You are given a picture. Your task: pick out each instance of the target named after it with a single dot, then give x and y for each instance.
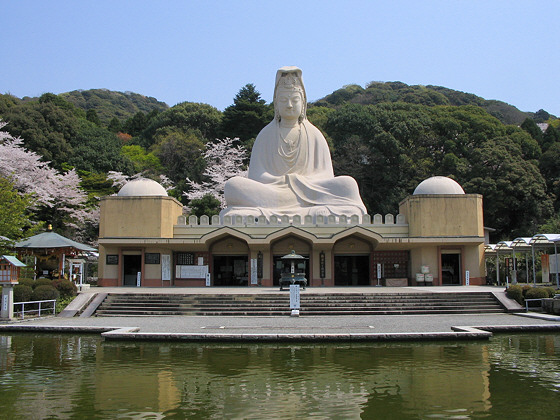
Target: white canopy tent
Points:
(503, 246)
(525, 244)
(522, 245)
(547, 240)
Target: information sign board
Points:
(294, 296)
(191, 271)
(166, 267)
(254, 271)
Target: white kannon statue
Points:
(290, 172)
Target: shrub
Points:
(43, 282)
(537, 293)
(539, 276)
(22, 293)
(45, 292)
(525, 288)
(66, 288)
(551, 291)
(515, 292)
(63, 303)
(27, 282)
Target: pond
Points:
(66, 376)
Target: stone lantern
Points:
(9, 275)
(292, 276)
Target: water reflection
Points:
(84, 377)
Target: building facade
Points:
(436, 238)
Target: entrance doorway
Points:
(231, 270)
(282, 266)
(351, 270)
(132, 265)
(451, 269)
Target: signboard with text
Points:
(294, 296)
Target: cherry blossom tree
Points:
(55, 195)
(224, 160)
(119, 179)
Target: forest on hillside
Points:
(388, 136)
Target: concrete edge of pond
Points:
(350, 337)
(133, 334)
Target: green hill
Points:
(109, 104)
(379, 92)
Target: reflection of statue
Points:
(291, 172)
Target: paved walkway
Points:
(286, 328)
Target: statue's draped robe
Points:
(298, 183)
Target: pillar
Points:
(7, 311)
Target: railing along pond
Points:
(36, 307)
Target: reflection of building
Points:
(69, 376)
(293, 381)
(145, 240)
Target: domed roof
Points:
(438, 185)
(141, 187)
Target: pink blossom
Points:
(223, 161)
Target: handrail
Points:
(531, 300)
(22, 312)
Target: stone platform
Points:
(367, 328)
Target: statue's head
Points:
(289, 82)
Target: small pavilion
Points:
(51, 251)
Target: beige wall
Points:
(444, 215)
(141, 217)
(107, 271)
(427, 255)
(435, 222)
(474, 262)
(351, 246)
(291, 243)
(230, 246)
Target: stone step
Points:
(334, 307)
(303, 303)
(326, 302)
(286, 295)
(306, 311)
(311, 304)
(306, 308)
(306, 299)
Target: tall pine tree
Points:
(247, 116)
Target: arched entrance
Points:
(230, 262)
(285, 246)
(352, 262)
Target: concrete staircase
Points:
(312, 304)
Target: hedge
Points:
(45, 292)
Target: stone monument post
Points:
(7, 312)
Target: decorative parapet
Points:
(276, 220)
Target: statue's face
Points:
(289, 104)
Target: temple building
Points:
(436, 238)
(291, 201)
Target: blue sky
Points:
(205, 51)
